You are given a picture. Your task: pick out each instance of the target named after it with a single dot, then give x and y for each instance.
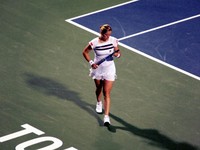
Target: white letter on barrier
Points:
(56, 143)
(27, 130)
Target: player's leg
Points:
(107, 87)
(98, 92)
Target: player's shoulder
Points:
(112, 38)
(95, 39)
(93, 42)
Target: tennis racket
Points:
(109, 57)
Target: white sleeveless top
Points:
(105, 70)
(103, 49)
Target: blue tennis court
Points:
(165, 31)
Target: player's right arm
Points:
(86, 55)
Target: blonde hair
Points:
(105, 28)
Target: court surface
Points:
(45, 89)
(166, 32)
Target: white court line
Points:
(102, 10)
(88, 29)
(159, 61)
(131, 48)
(159, 27)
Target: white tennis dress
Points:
(106, 70)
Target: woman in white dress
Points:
(103, 74)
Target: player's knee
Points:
(106, 94)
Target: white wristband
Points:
(118, 55)
(91, 62)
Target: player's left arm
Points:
(117, 51)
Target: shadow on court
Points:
(154, 136)
(53, 88)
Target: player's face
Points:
(106, 35)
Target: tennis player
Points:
(103, 74)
